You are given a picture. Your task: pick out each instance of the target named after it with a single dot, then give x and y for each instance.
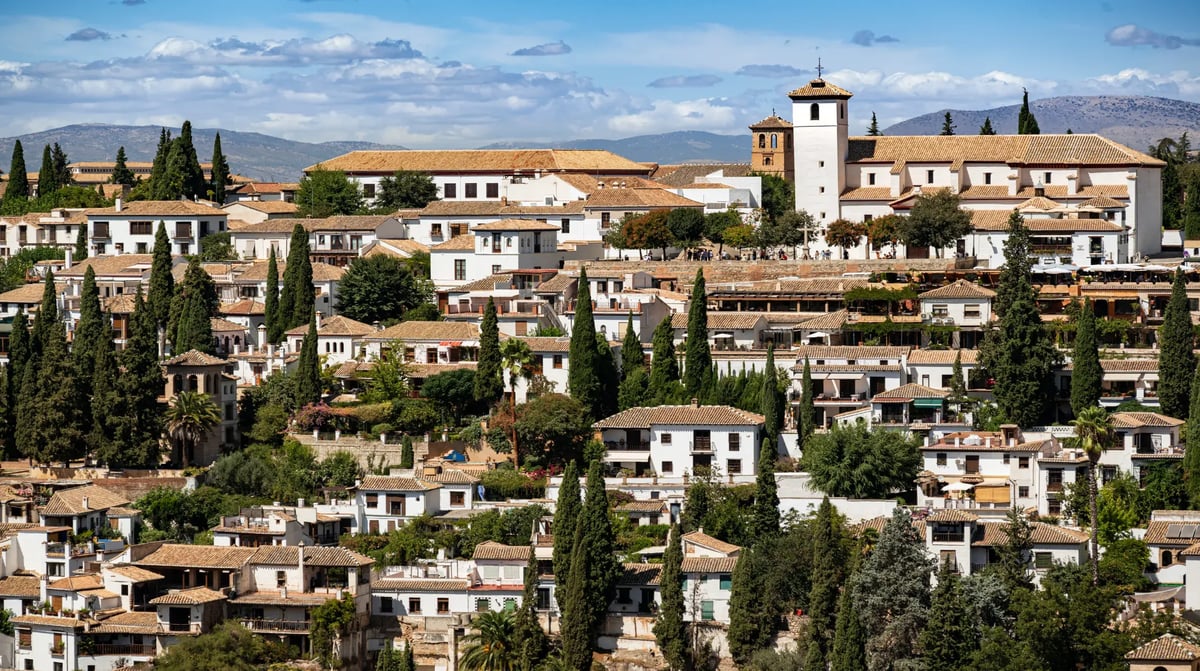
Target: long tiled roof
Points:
(289, 555)
(643, 198)
(20, 586)
(137, 622)
(647, 506)
(997, 220)
(387, 483)
(813, 352)
(515, 225)
(1039, 150)
(1130, 420)
(676, 415)
(952, 515)
(188, 597)
(498, 208)
(195, 358)
(721, 320)
(338, 325)
(639, 575)
(704, 540)
(958, 289)
(267, 206)
(773, 121)
(134, 573)
(49, 621)
(155, 208)
(421, 585)
(71, 501)
(197, 556)
(819, 88)
(1156, 534)
(106, 266)
(246, 306)
(686, 174)
(417, 330)
(452, 476)
(483, 160)
(708, 564)
(547, 343)
(77, 583)
(1165, 648)
(500, 551)
(347, 222)
(912, 391)
(321, 272)
(992, 534)
(944, 357)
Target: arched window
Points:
(1160, 668)
(766, 160)
(1166, 558)
(774, 141)
(193, 383)
(762, 140)
(177, 383)
(814, 112)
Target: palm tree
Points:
(1093, 430)
(492, 646)
(190, 418)
(517, 360)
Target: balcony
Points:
(700, 446)
(183, 232)
(101, 649)
(261, 625)
(99, 231)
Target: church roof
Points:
(819, 88)
(1040, 150)
(773, 121)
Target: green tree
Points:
(190, 417)
(1014, 554)
(308, 368)
(947, 125)
(194, 306)
(1176, 361)
(772, 400)
(326, 193)
(81, 245)
(575, 626)
(583, 379)
(829, 562)
(845, 234)
(19, 352)
(891, 592)
(697, 359)
(162, 282)
(158, 170)
(334, 619)
(937, 221)
(806, 423)
(453, 392)
(379, 289)
(188, 164)
(1093, 430)
(686, 224)
(647, 232)
(229, 647)
(751, 621)
(1191, 455)
(220, 173)
(778, 195)
(716, 224)
(121, 173)
(1191, 206)
(89, 332)
(598, 543)
(55, 433)
(1086, 373)
(986, 128)
(765, 516)
(1020, 354)
(46, 175)
(271, 308)
(790, 229)
(16, 194)
(492, 646)
(632, 354)
(670, 631)
(873, 128)
(664, 368)
(297, 300)
(406, 452)
(139, 428)
(406, 189)
(856, 462)
(489, 381)
(849, 639)
(530, 641)
(566, 517)
(1026, 123)
(947, 642)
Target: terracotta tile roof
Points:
(721, 320)
(501, 552)
(819, 88)
(547, 344)
(29, 294)
(336, 326)
(394, 247)
(1038, 203)
(557, 283)
(417, 330)
(678, 415)
(459, 243)
(951, 515)
(992, 534)
(1133, 420)
(155, 208)
(1165, 648)
(134, 488)
(452, 476)
(997, 220)
(48, 621)
(277, 598)
(636, 199)
(387, 483)
(134, 574)
(984, 192)
(704, 540)
(515, 225)
(69, 502)
(257, 272)
(223, 325)
(686, 174)
(420, 371)
(76, 583)
(639, 575)
(912, 391)
(195, 358)
(651, 506)
(814, 352)
(868, 193)
(934, 357)
(958, 289)
(708, 564)
(246, 306)
(506, 161)
(499, 208)
(266, 206)
(420, 585)
(289, 555)
(138, 622)
(772, 121)
(348, 222)
(829, 320)
(1156, 534)
(194, 596)
(109, 266)
(197, 556)
(1014, 150)
(1103, 203)
(21, 586)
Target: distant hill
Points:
(251, 154)
(684, 146)
(1136, 121)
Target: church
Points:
(1086, 199)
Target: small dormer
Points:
(1010, 434)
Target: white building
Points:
(129, 228)
(339, 339)
(671, 440)
(508, 244)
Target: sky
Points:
(464, 74)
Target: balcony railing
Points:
(100, 649)
(701, 446)
(265, 625)
(951, 537)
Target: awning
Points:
(846, 376)
(927, 403)
(957, 487)
(723, 336)
(992, 493)
(450, 343)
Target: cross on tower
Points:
(818, 67)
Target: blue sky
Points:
(463, 74)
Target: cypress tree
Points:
(806, 424)
(121, 173)
(194, 184)
(632, 354)
(829, 562)
(1191, 207)
(697, 360)
(765, 514)
(89, 332)
(770, 402)
(610, 377)
(1026, 123)
(27, 413)
(566, 518)
(18, 357)
(947, 639)
(849, 639)
(220, 172)
(194, 307)
(1020, 354)
(106, 402)
(297, 301)
(947, 125)
(633, 390)
(308, 369)
(58, 418)
(61, 166)
(406, 453)
(1085, 360)
(751, 618)
(1014, 554)
(1191, 454)
(603, 569)
(986, 128)
(664, 368)
(1176, 362)
(271, 308)
(140, 427)
(158, 170)
(47, 317)
(575, 626)
(873, 129)
(670, 631)
(583, 380)
(407, 663)
(81, 244)
(529, 639)
(489, 379)
(174, 185)
(162, 282)
(47, 183)
(16, 194)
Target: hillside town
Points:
(861, 402)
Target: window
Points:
(281, 578)
(971, 311)
(443, 605)
(558, 359)
(820, 189)
(762, 140)
(124, 590)
(492, 190)
(1166, 558)
(726, 581)
(766, 160)
(814, 112)
(495, 268)
(666, 439)
(414, 605)
(435, 230)
(372, 500)
(871, 178)
(941, 310)
(623, 595)
(368, 190)
(142, 248)
(385, 604)
(820, 164)
(1023, 492)
(471, 190)
(566, 225)
(734, 466)
(510, 605)
(706, 607)
(1023, 462)
(868, 218)
(929, 177)
(668, 467)
(481, 605)
(450, 191)
(735, 442)
(987, 178)
(24, 638)
(1048, 176)
(941, 458)
(1043, 560)
(460, 269)
(458, 499)
(140, 228)
(1007, 458)
(774, 141)
(605, 219)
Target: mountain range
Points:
(1136, 121)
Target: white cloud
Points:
(1136, 81)
(666, 115)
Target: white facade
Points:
(676, 440)
(820, 133)
(129, 228)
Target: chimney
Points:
(695, 402)
(957, 441)
(70, 256)
(989, 443)
(1039, 189)
(42, 585)
(270, 349)
(300, 562)
(85, 503)
(117, 204)
(317, 316)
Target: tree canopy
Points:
(325, 193)
(856, 462)
(379, 289)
